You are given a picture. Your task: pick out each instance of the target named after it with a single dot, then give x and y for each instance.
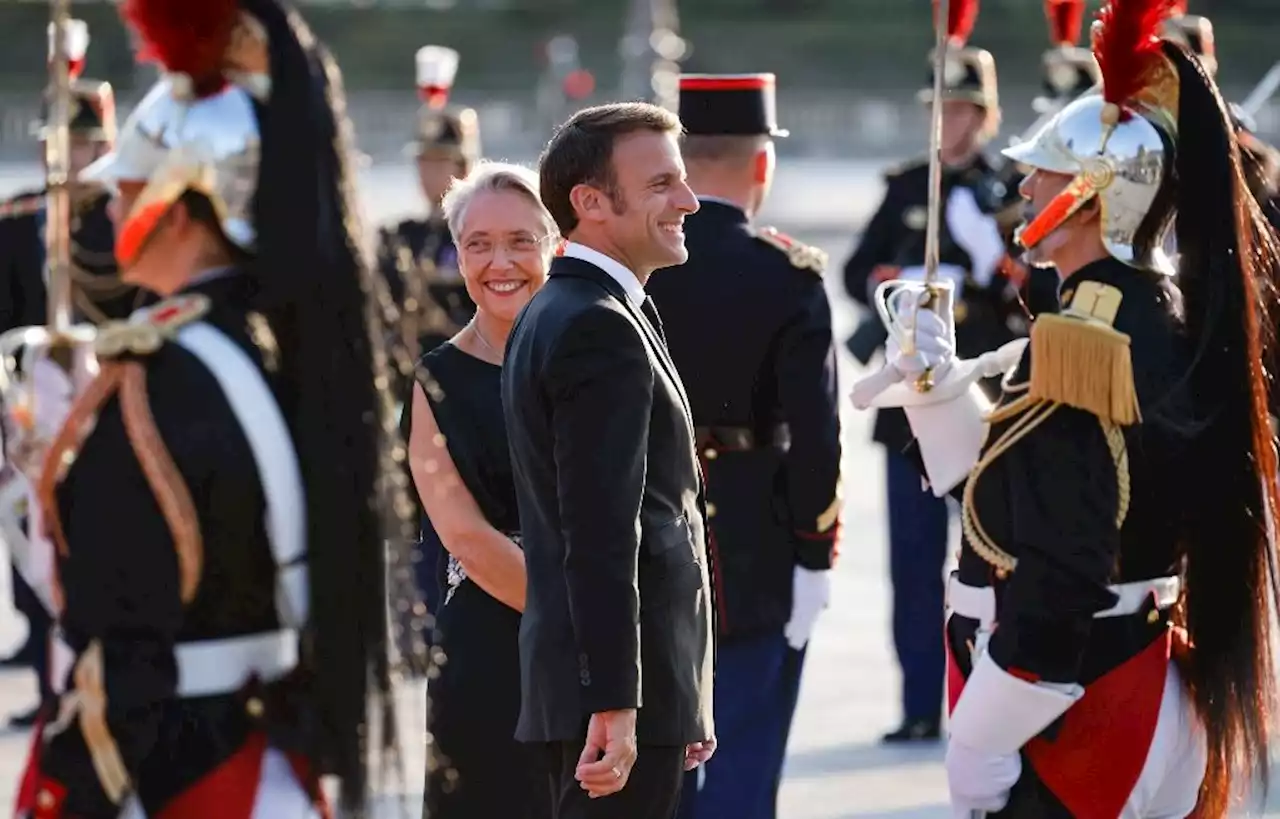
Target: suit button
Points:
(585, 679)
(711, 510)
(710, 454)
(254, 707)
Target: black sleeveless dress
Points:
(481, 772)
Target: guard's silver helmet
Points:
(1118, 152)
(177, 140)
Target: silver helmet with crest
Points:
(197, 128)
(1115, 142)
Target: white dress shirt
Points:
(616, 270)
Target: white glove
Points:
(810, 594)
(979, 780)
(35, 416)
(935, 348)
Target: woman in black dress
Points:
(462, 471)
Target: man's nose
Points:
(1024, 187)
(687, 201)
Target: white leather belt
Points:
(979, 602)
(211, 667)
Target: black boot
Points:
(915, 730)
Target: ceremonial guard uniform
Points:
(748, 324)
(1122, 492)
(978, 215)
(420, 253)
(211, 490)
(98, 294)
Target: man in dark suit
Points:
(749, 327)
(616, 640)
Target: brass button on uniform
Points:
(1153, 616)
(710, 454)
(254, 707)
(45, 800)
(711, 510)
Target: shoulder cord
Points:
(1033, 413)
(129, 380)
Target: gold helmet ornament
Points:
(197, 128)
(1116, 144)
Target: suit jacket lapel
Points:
(568, 266)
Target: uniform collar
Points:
(616, 270)
(722, 208)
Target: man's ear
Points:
(589, 203)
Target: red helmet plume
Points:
(1126, 44)
(1066, 21)
(962, 15)
(185, 36)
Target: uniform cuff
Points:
(999, 713)
(816, 552)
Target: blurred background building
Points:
(847, 69)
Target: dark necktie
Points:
(650, 311)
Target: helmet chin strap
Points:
(1063, 206)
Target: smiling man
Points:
(615, 642)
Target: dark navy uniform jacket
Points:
(424, 247)
(97, 292)
(748, 324)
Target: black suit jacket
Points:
(619, 608)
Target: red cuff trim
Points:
(829, 535)
(1025, 676)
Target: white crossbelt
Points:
(268, 435)
(979, 602)
(210, 667)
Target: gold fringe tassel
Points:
(1085, 364)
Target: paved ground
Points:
(835, 768)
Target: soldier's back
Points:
(724, 309)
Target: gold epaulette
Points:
(21, 206)
(805, 257)
(146, 330)
(1080, 360)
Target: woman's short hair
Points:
(493, 177)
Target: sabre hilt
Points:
(898, 302)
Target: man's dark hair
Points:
(581, 152)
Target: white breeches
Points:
(280, 795)
(1170, 780)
